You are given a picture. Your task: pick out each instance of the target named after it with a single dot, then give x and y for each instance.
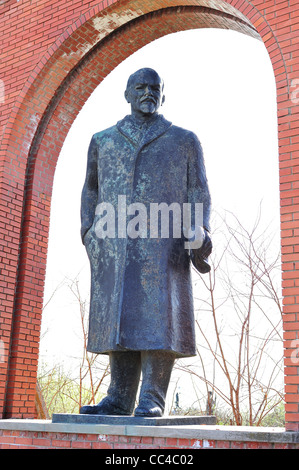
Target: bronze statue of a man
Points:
(141, 306)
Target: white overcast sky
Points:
(219, 84)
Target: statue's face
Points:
(145, 92)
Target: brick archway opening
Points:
(48, 106)
(61, 256)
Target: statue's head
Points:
(144, 92)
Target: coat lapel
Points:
(142, 134)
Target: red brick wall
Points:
(58, 440)
(53, 51)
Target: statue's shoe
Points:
(148, 409)
(105, 407)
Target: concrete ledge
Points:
(207, 432)
(74, 418)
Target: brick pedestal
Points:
(40, 434)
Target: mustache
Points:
(148, 98)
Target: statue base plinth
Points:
(132, 420)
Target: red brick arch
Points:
(47, 84)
